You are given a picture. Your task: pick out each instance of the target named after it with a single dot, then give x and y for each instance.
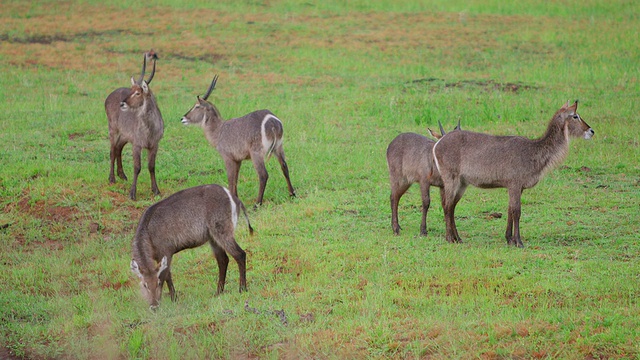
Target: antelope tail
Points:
(244, 211)
(273, 145)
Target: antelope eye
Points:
(576, 116)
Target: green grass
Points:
(345, 78)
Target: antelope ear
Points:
(133, 81)
(163, 265)
(566, 106)
(145, 86)
(136, 269)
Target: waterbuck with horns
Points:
(184, 220)
(134, 117)
(254, 136)
(486, 161)
(410, 160)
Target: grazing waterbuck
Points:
(184, 220)
(134, 117)
(254, 136)
(410, 160)
(486, 161)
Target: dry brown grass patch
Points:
(94, 38)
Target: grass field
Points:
(326, 276)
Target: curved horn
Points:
(441, 128)
(144, 68)
(153, 72)
(153, 56)
(211, 87)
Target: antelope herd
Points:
(209, 213)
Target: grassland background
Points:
(346, 77)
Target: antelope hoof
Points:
(515, 242)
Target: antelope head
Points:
(140, 88)
(574, 125)
(150, 284)
(203, 109)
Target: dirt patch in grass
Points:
(47, 39)
(117, 285)
(206, 57)
(7, 355)
(54, 219)
(43, 211)
(81, 135)
(487, 85)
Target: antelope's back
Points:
(245, 133)
(185, 218)
(483, 160)
(410, 153)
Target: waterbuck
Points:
(134, 117)
(184, 220)
(254, 136)
(513, 162)
(410, 160)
